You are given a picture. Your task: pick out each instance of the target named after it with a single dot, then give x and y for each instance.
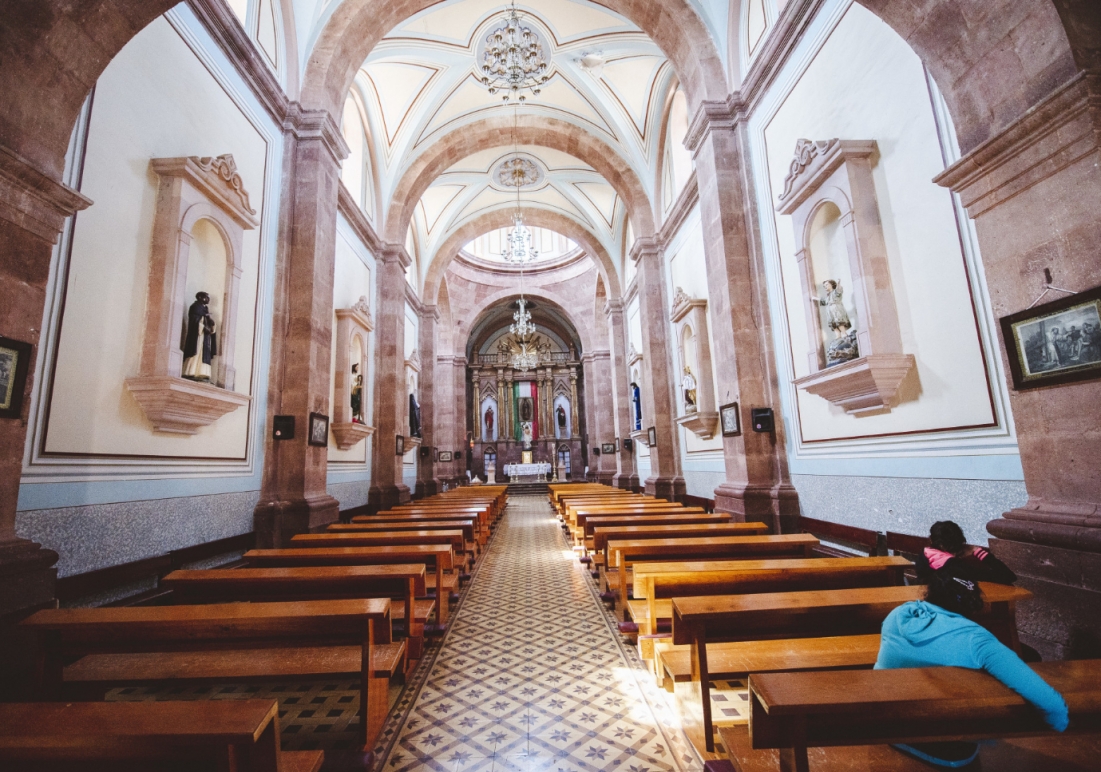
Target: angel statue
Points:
(843, 347)
(688, 383)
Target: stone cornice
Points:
(217, 179)
(631, 292)
(644, 245)
(430, 312)
(682, 207)
(592, 356)
(223, 26)
(395, 253)
(613, 306)
(316, 125)
(357, 218)
(1049, 137)
(412, 299)
(32, 200)
(711, 115)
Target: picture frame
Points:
(15, 361)
(730, 420)
(445, 456)
(652, 436)
(1055, 343)
(399, 444)
(319, 430)
(607, 448)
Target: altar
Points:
(527, 472)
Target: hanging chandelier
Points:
(513, 61)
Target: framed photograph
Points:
(399, 444)
(1055, 343)
(15, 359)
(730, 420)
(445, 455)
(652, 436)
(319, 430)
(607, 448)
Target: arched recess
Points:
(356, 26)
(491, 304)
(532, 216)
(551, 133)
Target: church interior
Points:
(546, 384)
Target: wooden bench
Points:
(574, 511)
(436, 557)
(483, 527)
(602, 534)
(401, 582)
(213, 644)
(792, 712)
(587, 520)
(454, 538)
(859, 540)
(468, 526)
(701, 621)
(132, 736)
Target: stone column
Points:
(427, 484)
(501, 407)
(1034, 192)
(33, 210)
(665, 479)
(391, 400)
(626, 473)
(599, 412)
(757, 485)
(293, 495)
(444, 414)
(457, 434)
(575, 428)
(509, 400)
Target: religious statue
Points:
(525, 409)
(527, 434)
(414, 417)
(560, 414)
(489, 423)
(688, 383)
(357, 395)
(200, 344)
(843, 347)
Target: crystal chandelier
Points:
(514, 60)
(518, 249)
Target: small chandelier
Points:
(523, 327)
(514, 60)
(518, 249)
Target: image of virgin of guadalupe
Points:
(200, 343)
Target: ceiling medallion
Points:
(518, 172)
(513, 60)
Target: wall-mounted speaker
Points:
(761, 418)
(282, 427)
(425, 452)
(628, 444)
(596, 450)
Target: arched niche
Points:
(689, 316)
(563, 463)
(489, 464)
(412, 395)
(562, 402)
(829, 192)
(490, 419)
(353, 328)
(201, 202)
(634, 367)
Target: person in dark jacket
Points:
(949, 552)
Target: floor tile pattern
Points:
(531, 675)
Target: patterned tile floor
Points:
(531, 675)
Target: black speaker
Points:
(596, 450)
(628, 444)
(282, 427)
(458, 455)
(425, 452)
(762, 419)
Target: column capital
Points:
(395, 253)
(430, 312)
(34, 201)
(316, 125)
(712, 115)
(644, 246)
(613, 306)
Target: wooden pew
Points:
(139, 736)
(481, 531)
(484, 521)
(792, 712)
(859, 540)
(468, 526)
(700, 621)
(625, 554)
(581, 529)
(438, 556)
(215, 643)
(402, 582)
(610, 506)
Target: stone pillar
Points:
(427, 484)
(457, 434)
(1034, 192)
(757, 485)
(293, 495)
(391, 399)
(502, 412)
(626, 473)
(665, 479)
(444, 414)
(599, 412)
(575, 427)
(33, 210)
(509, 400)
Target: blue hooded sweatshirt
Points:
(920, 634)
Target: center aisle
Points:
(531, 675)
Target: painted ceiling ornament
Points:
(514, 61)
(518, 172)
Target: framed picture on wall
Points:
(15, 359)
(731, 421)
(399, 444)
(445, 455)
(607, 448)
(319, 430)
(652, 436)
(1055, 343)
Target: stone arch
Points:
(356, 27)
(538, 217)
(552, 133)
(556, 301)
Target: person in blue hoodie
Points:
(937, 632)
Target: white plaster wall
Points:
(155, 99)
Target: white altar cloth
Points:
(525, 470)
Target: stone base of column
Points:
(27, 575)
(625, 481)
(668, 488)
(426, 488)
(602, 477)
(1060, 564)
(275, 522)
(777, 506)
(380, 497)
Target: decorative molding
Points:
(814, 162)
(686, 201)
(613, 306)
(869, 384)
(316, 126)
(179, 406)
(348, 435)
(412, 442)
(700, 423)
(395, 253)
(632, 355)
(217, 179)
(644, 246)
(414, 361)
(34, 201)
(683, 304)
(357, 218)
(711, 115)
(641, 436)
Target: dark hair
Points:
(946, 536)
(954, 594)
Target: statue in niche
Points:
(357, 395)
(527, 434)
(414, 417)
(688, 384)
(843, 347)
(560, 414)
(200, 343)
(489, 423)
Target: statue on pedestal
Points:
(414, 417)
(844, 346)
(560, 414)
(489, 423)
(688, 383)
(357, 395)
(200, 344)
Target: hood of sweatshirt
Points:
(920, 622)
